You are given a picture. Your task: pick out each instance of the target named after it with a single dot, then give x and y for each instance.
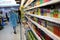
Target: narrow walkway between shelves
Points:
(7, 33)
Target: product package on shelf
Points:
(59, 13)
(55, 15)
(36, 19)
(48, 12)
(40, 33)
(39, 21)
(42, 11)
(32, 4)
(32, 18)
(56, 29)
(35, 11)
(51, 12)
(33, 26)
(59, 31)
(37, 3)
(34, 36)
(31, 35)
(44, 23)
(32, 12)
(37, 30)
(50, 26)
(44, 36)
(41, 1)
(46, 1)
(47, 37)
(38, 11)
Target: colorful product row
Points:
(53, 27)
(38, 2)
(41, 34)
(31, 35)
(43, 1)
(47, 12)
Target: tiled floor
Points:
(7, 33)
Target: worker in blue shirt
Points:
(13, 20)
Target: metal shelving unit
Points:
(52, 35)
(34, 32)
(55, 20)
(28, 2)
(44, 4)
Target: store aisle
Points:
(7, 33)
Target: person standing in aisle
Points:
(19, 16)
(13, 20)
(7, 17)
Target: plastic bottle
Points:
(59, 13)
(48, 12)
(55, 13)
(39, 12)
(42, 12)
(51, 12)
(45, 12)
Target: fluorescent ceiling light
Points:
(8, 3)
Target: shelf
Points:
(55, 20)
(34, 32)
(22, 2)
(28, 2)
(44, 4)
(52, 35)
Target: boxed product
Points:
(39, 21)
(44, 23)
(42, 11)
(39, 32)
(37, 3)
(45, 12)
(51, 12)
(55, 15)
(59, 13)
(47, 37)
(41, 1)
(43, 35)
(38, 12)
(56, 29)
(29, 36)
(50, 26)
(46, 1)
(59, 32)
(48, 12)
